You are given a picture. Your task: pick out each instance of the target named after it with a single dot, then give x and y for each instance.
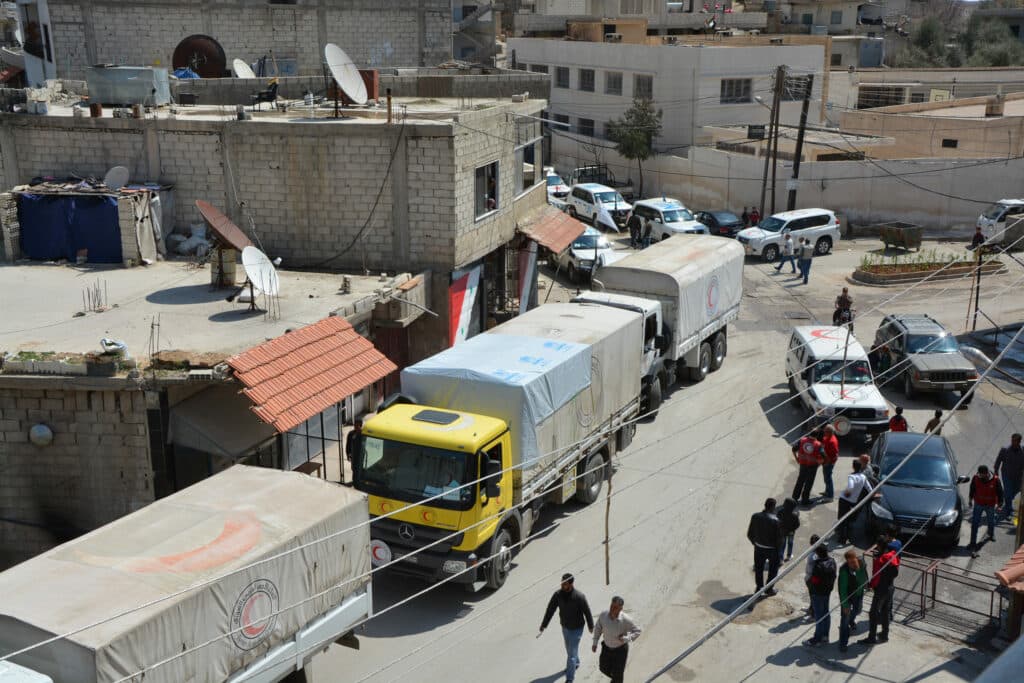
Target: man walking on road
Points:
(830, 456)
(823, 580)
(856, 485)
(933, 425)
(765, 533)
(1009, 467)
(804, 255)
(807, 452)
(573, 610)
(853, 580)
(615, 630)
(986, 495)
(787, 255)
(884, 570)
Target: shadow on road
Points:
(784, 418)
(550, 678)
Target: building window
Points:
(631, 7)
(949, 144)
(869, 96)
(837, 59)
(612, 83)
(486, 189)
(585, 127)
(587, 80)
(643, 86)
(529, 166)
(837, 17)
(561, 77)
(735, 91)
(807, 19)
(539, 68)
(916, 97)
(794, 88)
(562, 121)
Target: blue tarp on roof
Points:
(59, 226)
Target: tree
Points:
(634, 133)
(989, 42)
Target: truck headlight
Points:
(453, 566)
(947, 519)
(972, 375)
(587, 264)
(880, 511)
(881, 412)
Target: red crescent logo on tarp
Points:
(240, 533)
(255, 614)
(825, 334)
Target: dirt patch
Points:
(185, 360)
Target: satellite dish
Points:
(345, 73)
(116, 178)
(242, 70)
(261, 271)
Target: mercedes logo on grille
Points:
(406, 532)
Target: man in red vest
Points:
(986, 495)
(808, 454)
(830, 453)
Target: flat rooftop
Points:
(1011, 107)
(812, 136)
(42, 305)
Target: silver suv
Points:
(917, 348)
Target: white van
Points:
(995, 217)
(816, 361)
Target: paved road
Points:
(683, 494)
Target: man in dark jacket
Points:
(821, 583)
(789, 522)
(573, 610)
(1009, 467)
(765, 534)
(884, 570)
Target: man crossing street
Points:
(573, 610)
(765, 533)
(615, 631)
(1009, 467)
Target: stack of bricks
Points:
(96, 470)
(10, 228)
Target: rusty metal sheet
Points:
(227, 231)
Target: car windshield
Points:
(591, 242)
(932, 343)
(924, 471)
(677, 215)
(555, 180)
(831, 372)
(413, 473)
(609, 198)
(993, 212)
(771, 224)
(725, 217)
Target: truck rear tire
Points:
(654, 397)
(499, 565)
(588, 486)
(719, 348)
(700, 371)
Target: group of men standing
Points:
(798, 256)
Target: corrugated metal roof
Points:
(297, 375)
(553, 229)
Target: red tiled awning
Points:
(553, 229)
(1012, 575)
(298, 375)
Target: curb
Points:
(861, 277)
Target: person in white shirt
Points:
(856, 484)
(616, 630)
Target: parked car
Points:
(557, 189)
(818, 225)
(578, 259)
(995, 216)
(670, 218)
(600, 205)
(722, 223)
(923, 494)
(926, 355)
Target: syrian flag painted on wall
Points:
(461, 304)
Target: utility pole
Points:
(808, 86)
(780, 79)
(977, 287)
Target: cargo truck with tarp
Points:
(488, 431)
(243, 577)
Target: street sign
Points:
(755, 132)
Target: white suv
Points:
(670, 218)
(600, 205)
(820, 226)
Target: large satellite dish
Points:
(223, 227)
(345, 73)
(261, 271)
(116, 178)
(242, 70)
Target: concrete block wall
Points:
(82, 150)
(96, 470)
(126, 224)
(373, 33)
(191, 159)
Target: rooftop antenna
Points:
(262, 276)
(116, 178)
(242, 70)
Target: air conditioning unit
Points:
(613, 37)
(670, 40)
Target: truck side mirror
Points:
(493, 473)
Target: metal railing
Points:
(973, 589)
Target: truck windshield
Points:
(929, 343)
(994, 212)
(586, 241)
(412, 473)
(555, 180)
(831, 372)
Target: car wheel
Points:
(823, 246)
(770, 253)
(718, 351)
(572, 211)
(574, 275)
(588, 486)
(664, 237)
(501, 563)
(908, 386)
(793, 391)
(700, 371)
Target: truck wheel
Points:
(574, 275)
(908, 386)
(718, 351)
(698, 373)
(654, 397)
(793, 391)
(823, 246)
(501, 563)
(295, 677)
(588, 485)
(770, 253)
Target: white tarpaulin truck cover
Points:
(698, 279)
(205, 532)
